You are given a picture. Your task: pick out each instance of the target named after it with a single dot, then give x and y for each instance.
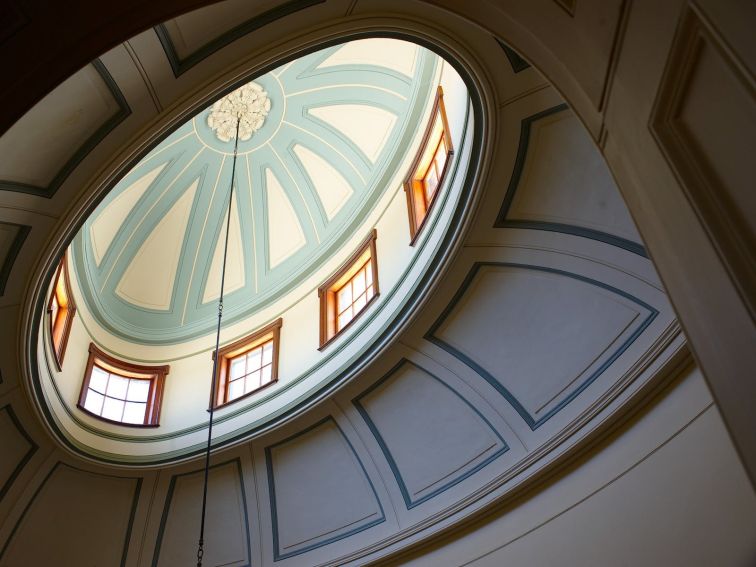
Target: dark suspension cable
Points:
(201, 544)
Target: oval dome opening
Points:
(349, 167)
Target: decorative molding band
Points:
(181, 66)
(134, 503)
(701, 59)
(514, 182)
(488, 377)
(277, 555)
(169, 498)
(454, 480)
(33, 447)
(515, 60)
(15, 248)
(124, 110)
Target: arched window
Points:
(429, 168)
(61, 309)
(248, 365)
(121, 392)
(349, 291)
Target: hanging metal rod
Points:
(201, 543)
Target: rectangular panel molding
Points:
(704, 121)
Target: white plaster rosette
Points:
(250, 102)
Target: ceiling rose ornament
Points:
(246, 107)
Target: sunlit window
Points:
(349, 291)
(249, 364)
(61, 310)
(429, 168)
(121, 392)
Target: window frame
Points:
(328, 290)
(271, 331)
(59, 348)
(418, 209)
(156, 375)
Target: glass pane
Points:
(266, 374)
(112, 409)
(237, 368)
(134, 412)
(253, 381)
(344, 297)
(254, 359)
(431, 182)
(235, 389)
(93, 402)
(98, 380)
(139, 390)
(54, 309)
(117, 386)
(359, 303)
(368, 274)
(441, 157)
(268, 353)
(345, 317)
(358, 283)
(369, 293)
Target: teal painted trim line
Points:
(129, 528)
(10, 257)
(124, 110)
(169, 499)
(498, 386)
(408, 501)
(515, 60)
(33, 448)
(522, 152)
(476, 110)
(181, 66)
(277, 555)
(132, 515)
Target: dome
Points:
(315, 156)
(322, 166)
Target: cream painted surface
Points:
(707, 134)
(334, 191)
(670, 490)
(399, 56)
(190, 32)
(431, 432)
(694, 232)
(367, 126)
(285, 235)
(316, 473)
(36, 148)
(226, 536)
(149, 279)
(76, 510)
(235, 277)
(587, 194)
(109, 221)
(520, 324)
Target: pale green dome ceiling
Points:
(327, 133)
